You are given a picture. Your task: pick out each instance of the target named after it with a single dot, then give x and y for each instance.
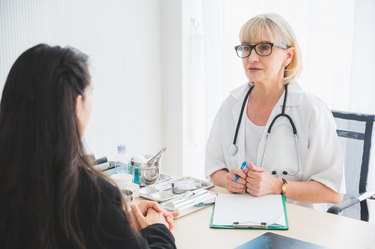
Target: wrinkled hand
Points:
(259, 182)
(238, 186)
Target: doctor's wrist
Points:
(284, 187)
(279, 185)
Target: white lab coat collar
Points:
(293, 89)
(294, 99)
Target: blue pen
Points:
(242, 167)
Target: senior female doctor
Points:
(287, 137)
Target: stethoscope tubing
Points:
(233, 149)
(282, 114)
(241, 114)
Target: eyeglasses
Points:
(262, 49)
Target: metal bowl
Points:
(147, 173)
(150, 173)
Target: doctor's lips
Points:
(254, 69)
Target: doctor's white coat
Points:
(318, 148)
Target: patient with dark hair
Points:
(50, 194)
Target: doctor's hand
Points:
(260, 182)
(239, 185)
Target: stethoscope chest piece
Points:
(233, 149)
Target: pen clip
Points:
(250, 224)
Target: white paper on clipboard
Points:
(247, 209)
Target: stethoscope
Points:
(233, 148)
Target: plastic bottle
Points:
(122, 160)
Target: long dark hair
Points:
(41, 153)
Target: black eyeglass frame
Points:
(253, 47)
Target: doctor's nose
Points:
(253, 57)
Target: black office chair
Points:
(355, 133)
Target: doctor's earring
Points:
(286, 70)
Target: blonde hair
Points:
(279, 31)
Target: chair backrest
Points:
(355, 133)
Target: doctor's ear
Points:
(289, 56)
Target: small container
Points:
(122, 160)
(145, 173)
(128, 196)
(122, 180)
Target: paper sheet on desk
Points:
(244, 208)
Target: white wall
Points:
(123, 40)
(172, 86)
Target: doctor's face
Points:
(267, 60)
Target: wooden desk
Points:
(332, 231)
